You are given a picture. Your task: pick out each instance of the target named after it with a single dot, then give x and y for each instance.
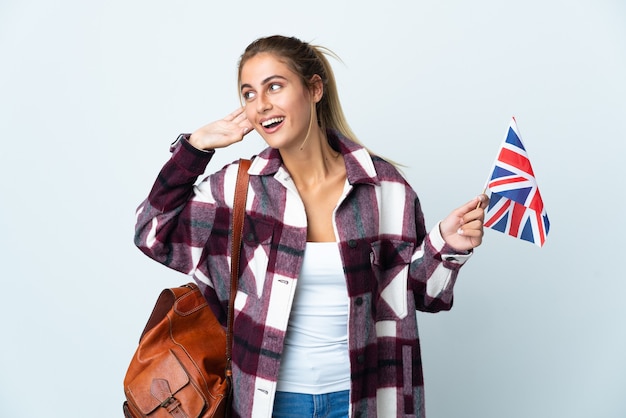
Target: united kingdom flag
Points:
(515, 206)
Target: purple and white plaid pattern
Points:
(392, 268)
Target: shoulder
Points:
(386, 170)
(389, 174)
(219, 186)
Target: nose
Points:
(263, 104)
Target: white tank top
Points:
(315, 357)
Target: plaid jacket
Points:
(392, 268)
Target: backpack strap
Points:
(239, 211)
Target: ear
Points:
(316, 88)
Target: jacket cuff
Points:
(450, 257)
(189, 157)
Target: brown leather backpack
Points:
(169, 375)
(181, 368)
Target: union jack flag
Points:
(515, 206)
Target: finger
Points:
(241, 117)
(472, 230)
(234, 114)
(246, 126)
(476, 215)
(475, 224)
(484, 200)
(470, 206)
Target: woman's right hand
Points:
(223, 132)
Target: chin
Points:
(270, 143)
(277, 142)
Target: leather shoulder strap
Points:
(239, 211)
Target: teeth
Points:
(271, 121)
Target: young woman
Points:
(335, 258)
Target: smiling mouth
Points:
(271, 123)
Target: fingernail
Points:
(459, 231)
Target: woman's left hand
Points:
(463, 228)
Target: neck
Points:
(313, 162)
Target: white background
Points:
(93, 92)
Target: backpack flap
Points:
(164, 384)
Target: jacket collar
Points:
(359, 165)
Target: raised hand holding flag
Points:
(515, 206)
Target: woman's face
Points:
(277, 104)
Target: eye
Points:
(274, 87)
(248, 95)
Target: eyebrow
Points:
(265, 81)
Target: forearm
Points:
(434, 269)
(163, 230)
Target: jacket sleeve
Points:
(434, 268)
(175, 220)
